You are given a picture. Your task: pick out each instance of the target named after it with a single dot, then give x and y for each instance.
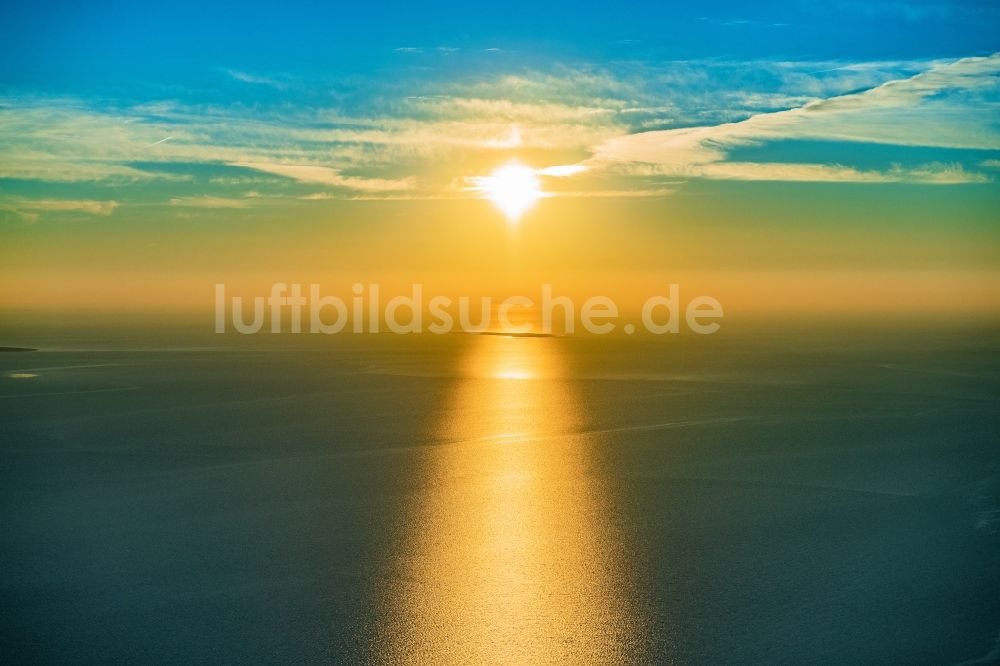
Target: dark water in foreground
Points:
(493, 500)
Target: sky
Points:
(786, 156)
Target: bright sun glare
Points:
(514, 188)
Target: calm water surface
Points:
(481, 499)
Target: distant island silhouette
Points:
(515, 335)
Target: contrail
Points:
(160, 141)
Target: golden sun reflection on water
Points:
(511, 553)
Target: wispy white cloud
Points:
(70, 141)
(934, 173)
(328, 176)
(255, 79)
(561, 171)
(913, 112)
(617, 194)
(210, 202)
(30, 209)
(508, 110)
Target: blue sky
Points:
(237, 105)
(102, 45)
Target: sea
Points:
(819, 494)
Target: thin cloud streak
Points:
(329, 176)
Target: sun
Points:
(513, 187)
